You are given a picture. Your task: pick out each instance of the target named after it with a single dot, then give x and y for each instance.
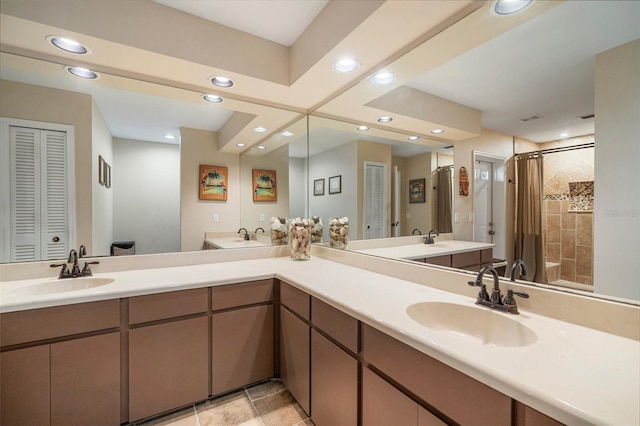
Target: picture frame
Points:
(335, 184)
(100, 170)
(264, 185)
(318, 187)
(416, 191)
(213, 183)
(107, 178)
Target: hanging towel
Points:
(464, 182)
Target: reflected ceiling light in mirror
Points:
(172, 137)
(212, 98)
(564, 135)
(384, 119)
(345, 65)
(413, 138)
(82, 72)
(287, 133)
(241, 145)
(383, 78)
(260, 129)
(437, 131)
(362, 128)
(261, 147)
(509, 7)
(221, 81)
(68, 45)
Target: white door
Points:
(395, 220)
(374, 211)
(39, 219)
(483, 202)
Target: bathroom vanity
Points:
(344, 339)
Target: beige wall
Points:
(277, 160)
(28, 102)
(196, 216)
(617, 155)
(102, 197)
(417, 215)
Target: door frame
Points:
(499, 207)
(5, 178)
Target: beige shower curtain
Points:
(444, 200)
(529, 245)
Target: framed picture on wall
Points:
(318, 187)
(107, 175)
(213, 183)
(264, 185)
(335, 184)
(416, 191)
(100, 170)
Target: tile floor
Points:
(266, 404)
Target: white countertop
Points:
(421, 250)
(572, 373)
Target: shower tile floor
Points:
(265, 404)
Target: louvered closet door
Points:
(374, 187)
(39, 216)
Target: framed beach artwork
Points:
(213, 183)
(264, 185)
(416, 191)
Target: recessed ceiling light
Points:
(241, 144)
(261, 147)
(287, 133)
(413, 138)
(508, 7)
(383, 77)
(564, 134)
(346, 65)
(437, 131)
(260, 129)
(362, 128)
(212, 98)
(170, 136)
(384, 119)
(68, 45)
(221, 81)
(82, 72)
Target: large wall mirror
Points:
(320, 162)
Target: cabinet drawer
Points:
(167, 305)
(296, 300)
(459, 397)
(233, 295)
(58, 321)
(460, 260)
(335, 323)
(439, 260)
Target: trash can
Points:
(500, 265)
(123, 248)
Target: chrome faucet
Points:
(75, 269)
(514, 268)
(429, 239)
(495, 301)
(414, 231)
(246, 233)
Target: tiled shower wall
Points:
(568, 235)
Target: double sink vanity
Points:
(356, 339)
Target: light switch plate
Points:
(262, 217)
(456, 217)
(216, 218)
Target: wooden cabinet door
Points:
(294, 357)
(242, 347)
(85, 381)
(24, 387)
(334, 384)
(384, 405)
(168, 366)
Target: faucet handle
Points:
(510, 300)
(63, 272)
(86, 270)
(482, 294)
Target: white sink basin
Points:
(61, 286)
(473, 323)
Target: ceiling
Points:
(460, 65)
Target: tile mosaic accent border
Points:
(581, 196)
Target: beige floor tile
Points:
(230, 410)
(306, 422)
(186, 417)
(279, 409)
(264, 389)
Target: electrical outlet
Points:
(470, 217)
(216, 218)
(262, 217)
(408, 215)
(456, 217)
